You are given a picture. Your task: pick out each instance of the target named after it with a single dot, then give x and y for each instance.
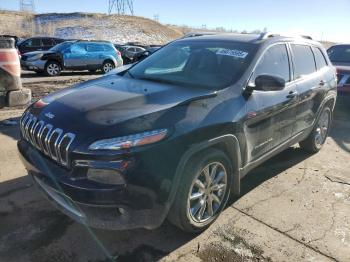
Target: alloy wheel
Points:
(53, 69)
(108, 67)
(322, 129)
(207, 192)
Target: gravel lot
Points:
(295, 207)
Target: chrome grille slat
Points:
(59, 133)
(46, 139)
(49, 140)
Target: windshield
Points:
(339, 53)
(61, 47)
(209, 64)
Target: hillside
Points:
(115, 28)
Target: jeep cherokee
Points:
(173, 135)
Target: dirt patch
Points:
(42, 89)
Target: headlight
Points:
(35, 57)
(126, 142)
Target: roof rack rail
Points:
(91, 40)
(194, 34)
(266, 35)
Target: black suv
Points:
(173, 136)
(37, 44)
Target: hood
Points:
(38, 52)
(106, 102)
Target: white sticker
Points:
(234, 53)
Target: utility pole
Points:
(156, 17)
(121, 7)
(27, 6)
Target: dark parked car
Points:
(129, 52)
(73, 55)
(148, 51)
(172, 136)
(37, 44)
(340, 57)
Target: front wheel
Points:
(53, 68)
(314, 142)
(203, 193)
(107, 66)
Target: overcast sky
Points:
(323, 20)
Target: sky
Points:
(322, 19)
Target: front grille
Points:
(51, 141)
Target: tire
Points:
(40, 73)
(53, 68)
(314, 142)
(108, 66)
(189, 215)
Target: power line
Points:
(27, 6)
(121, 6)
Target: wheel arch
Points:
(54, 60)
(228, 144)
(109, 59)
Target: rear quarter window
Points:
(108, 48)
(304, 61)
(321, 61)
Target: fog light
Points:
(105, 176)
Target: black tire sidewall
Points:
(309, 144)
(328, 128)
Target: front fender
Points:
(234, 153)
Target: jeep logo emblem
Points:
(50, 115)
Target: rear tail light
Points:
(118, 53)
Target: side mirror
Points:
(267, 83)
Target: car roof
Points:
(268, 38)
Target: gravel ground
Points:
(295, 207)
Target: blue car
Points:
(73, 55)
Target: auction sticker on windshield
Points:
(232, 52)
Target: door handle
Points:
(322, 83)
(292, 94)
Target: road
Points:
(295, 207)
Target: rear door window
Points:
(47, 42)
(274, 62)
(304, 61)
(95, 48)
(319, 58)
